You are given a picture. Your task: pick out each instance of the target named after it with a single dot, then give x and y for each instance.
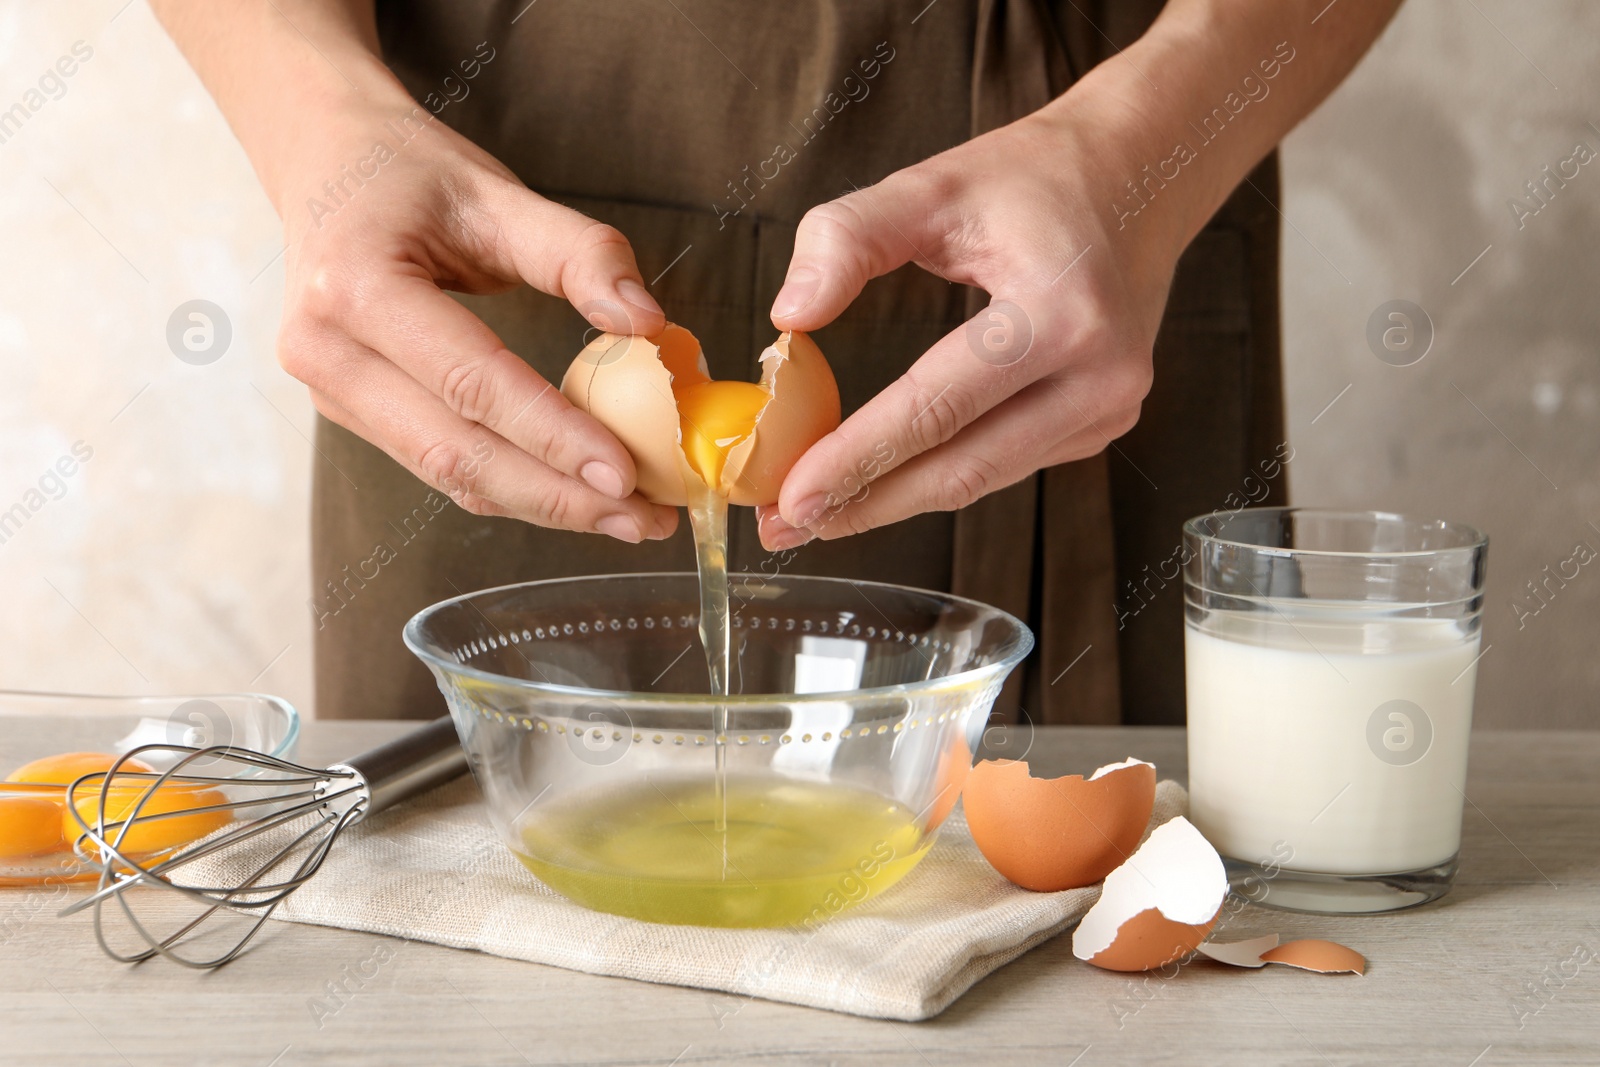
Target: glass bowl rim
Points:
(1021, 643)
(1472, 539)
(291, 714)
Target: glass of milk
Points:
(1330, 659)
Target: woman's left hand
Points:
(1052, 370)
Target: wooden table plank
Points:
(1446, 984)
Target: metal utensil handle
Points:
(410, 764)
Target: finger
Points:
(456, 488)
(1002, 350)
(570, 255)
(336, 412)
(1039, 427)
(839, 247)
(468, 461)
(952, 384)
(777, 535)
(456, 357)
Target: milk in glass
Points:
(1329, 744)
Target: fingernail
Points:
(779, 535)
(603, 478)
(639, 297)
(622, 527)
(808, 511)
(798, 290)
(787, 539)
(661, 531)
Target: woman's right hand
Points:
(374, 239)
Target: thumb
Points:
(838, 248)
(568, 254)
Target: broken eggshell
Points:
(1240, 953)
(626, 383)
(1311, 954)
(1157, 907)
(1048, 834)
(622, 381)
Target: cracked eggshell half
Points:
(624, 382)
(1048, 834)
(803, 410)
(1157, 907)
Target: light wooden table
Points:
(1448, 984)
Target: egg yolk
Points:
(713, 416)
(33, 823)
(34, 819)
(29, 825)
(148, 834)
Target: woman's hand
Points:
(1052, 370)
(388, 355)
(384, 208)
(1072, 219)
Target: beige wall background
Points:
(1398, 188)
(175, 558)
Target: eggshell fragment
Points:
(804, 409)
(1048, 834)
(1324, 957)
(626, 382)
(1157, 907)
(1240, 953)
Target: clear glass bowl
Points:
(581, 704)
(79, 722)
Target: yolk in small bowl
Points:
(35, 819)
(149, 834)
(29, 826)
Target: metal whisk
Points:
(295, 814)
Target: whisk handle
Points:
(410, 764)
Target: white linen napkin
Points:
(432, 869)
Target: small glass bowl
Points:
(75, 722)
(853, 702)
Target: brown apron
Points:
(664, 120)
